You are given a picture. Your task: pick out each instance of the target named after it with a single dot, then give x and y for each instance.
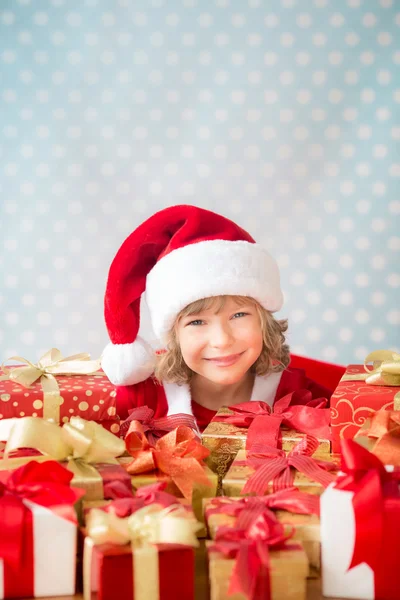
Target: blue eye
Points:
(239, 314)
(196, 322)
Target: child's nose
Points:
(221, 336)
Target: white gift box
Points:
(338, 529)
(54, 551)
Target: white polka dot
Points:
(330, 279)
(362, 280)
(238, 20)
(270, 58)
(298, 278)
(313, 334)
(287, 40)
(254, 39)
(319, 39)
(27, 337)
(60, 336)
(271, 20)
(393, 317)
(384, 77)
(44, 318)
(188, 39)
(394, 170)
(337, 20)
(345, 298)
(347, 150)
(330, 242)
(378, 225)
(346, 334)
(364, 132)
(378, 298)
(11, 318)
(378, 262)
(335, 58)
(362, 243)
(346, 261)
(352, 39)
(284, 152)
(267, 170)
(40, 18)
(303, 96)
(377, 334)
(313, 297)
(329, 352)
(314, 223)
(304, 20)
(369, 20)
(283, 260)
(297, 316)
(393, 280)
(362, 316)
(330, 315)
(367, 96)
(347, 188)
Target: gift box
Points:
(38, 532)
(235, 428)
(360, 521)
(177, 459)
(302, 514)
(84, 447)
(47, 390)
(380, 434)
(357, 394)
(140, 551)
(269, 471)
(256, 561)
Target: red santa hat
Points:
(179, 255)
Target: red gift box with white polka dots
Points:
(92, 397)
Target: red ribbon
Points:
(257, 531)
(291, 500)
(46, 484)
(155, 428)
(273, 465)
(376, 504)
(297, 410)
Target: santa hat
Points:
(179, 255)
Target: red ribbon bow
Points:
(290, 499)
(155, 428)
(46, 484)
(296, 410)
(148, 494)
(256, 531)
(376, 504)
(274, 465)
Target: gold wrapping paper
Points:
(200, 491)
(224, 440)
(288, 574)
(307, 531)
(236, 477)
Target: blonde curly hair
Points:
(171, 368)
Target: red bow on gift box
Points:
(177, 454)
(155, 428)
(290, 499)
(273, 465)
(376, 504)
(296, 410)
(257, 530)
(46, 484)
(145, 496)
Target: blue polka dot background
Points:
(283, 116)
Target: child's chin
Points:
(226, 378)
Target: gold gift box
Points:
(237, 476)
(224, 440)
(307, 530)
(200, 490)
(288, 574)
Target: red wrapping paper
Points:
(353, 401)
(115, 572)
(92, 397)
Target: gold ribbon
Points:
(81, 443)
(49, 365)
(385, 370)
(143, 529)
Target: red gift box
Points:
(115, 576)
(353, 401)
(92, 397)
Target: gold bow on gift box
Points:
(385, 371)
(81, 443)
(148, 526)
(49, 365)
(380, 434)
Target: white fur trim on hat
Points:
(210, 268)
(127, 364)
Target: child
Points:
(211, 291)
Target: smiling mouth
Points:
(225, 361)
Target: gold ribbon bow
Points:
(81, 443)
(148, 526)
(49, 365)
(385, 370)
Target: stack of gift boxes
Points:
(283, 494)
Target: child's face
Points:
(221, 347)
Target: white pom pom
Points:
(127, 364)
